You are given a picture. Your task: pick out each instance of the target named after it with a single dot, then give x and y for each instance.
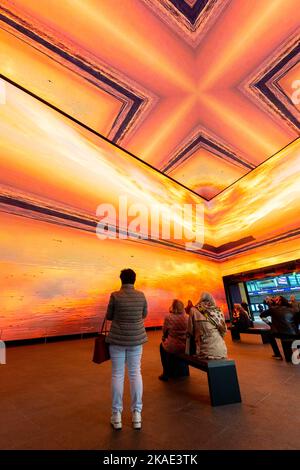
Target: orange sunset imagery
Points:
(216, 127)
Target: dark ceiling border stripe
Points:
(262, 86)
(229, 245)
(264, 271)
(215, 253)
(29, 206)
(191, 13)
(196, 143)
(266, 242)
(87, 224)
(136, 100)
(84, 126)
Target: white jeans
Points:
(132, 356)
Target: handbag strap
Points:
(104, 329)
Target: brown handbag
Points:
(101, 348)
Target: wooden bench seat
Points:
(222, 378)
(263, 332)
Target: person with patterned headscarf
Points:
(207, 326)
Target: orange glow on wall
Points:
(56, 280)
(208, 103)
(268, 201)
(58, 275)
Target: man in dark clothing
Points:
(283, 325)
(295, 304)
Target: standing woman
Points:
(127, 310)
(207, 325)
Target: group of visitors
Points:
(281, 315)
(195, 329)
(284, 318)
(204, 327)
(201, 332)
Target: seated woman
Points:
(173, 341)
(247, 310)
(240, 318)
(207, 325)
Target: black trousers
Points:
(273, 343)
(172, 366)
(286, 343)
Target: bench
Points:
(263, 332)
(222, 378)
(286, 340)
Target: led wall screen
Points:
(56, 274)
(213, 129)
(56, 280)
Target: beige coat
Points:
(207, 326)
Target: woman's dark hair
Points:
(127, 276)
(177, 306)
(283, 301)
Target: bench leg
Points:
(265, 339)
(235, 335)
(223, 385)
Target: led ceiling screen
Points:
(262, 208)
(204, 90)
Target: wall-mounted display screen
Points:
(279, 285)
(259, 289)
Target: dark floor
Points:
(53, 397)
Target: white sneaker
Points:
(136, 419)
(116, 420)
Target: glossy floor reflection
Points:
(53, 397)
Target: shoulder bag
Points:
(101, 348)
